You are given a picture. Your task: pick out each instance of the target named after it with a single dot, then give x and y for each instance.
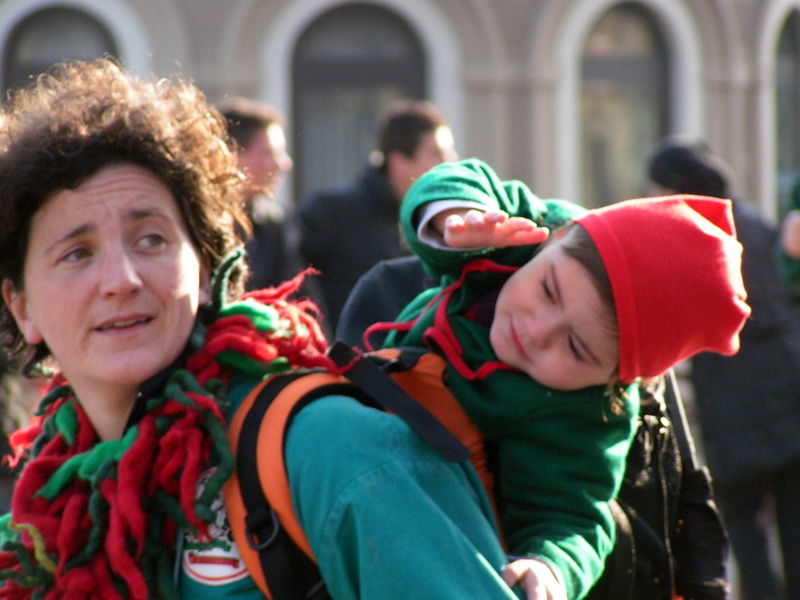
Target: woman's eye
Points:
(75, 255)
(152, 240)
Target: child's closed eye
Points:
(575, 349)
(547, 291)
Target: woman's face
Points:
(112, 281)
(550, 322)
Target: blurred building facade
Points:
(567, 95)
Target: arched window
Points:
(349, 64)
(787, 97)
(624, 103)
(48, 36)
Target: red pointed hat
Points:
(675, 269)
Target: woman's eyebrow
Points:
(137, 214)
(71, 234)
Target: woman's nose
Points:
(120, 277)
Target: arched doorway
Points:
(787, 111)
(624, 103)
(48, 36)
(349, 64)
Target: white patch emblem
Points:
(214, 561)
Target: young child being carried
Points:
(546, 342)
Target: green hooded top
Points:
(561, 454)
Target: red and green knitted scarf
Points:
(97, 519)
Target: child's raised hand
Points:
(489, 229)
(535, 578)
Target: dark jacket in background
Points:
(272, 255)
(345, 231)
(379, 296)
(749, 403)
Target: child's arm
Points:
(471, 184)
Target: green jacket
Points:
(386, 517)
(561, 454)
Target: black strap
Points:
(372, 379)
(680, 423)
(289, 573)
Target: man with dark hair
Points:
(749, 403)
(257, 133)
(347, 230)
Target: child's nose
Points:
(541, 330)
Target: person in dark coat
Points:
(257, 133)
(346, 230)
(379, 296)
(749, 403)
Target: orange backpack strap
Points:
(422, 375)
(371, 378)
(257, 497)
(408, 382)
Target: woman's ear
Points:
(17, 304)
(205, 280)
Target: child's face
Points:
(551, 323)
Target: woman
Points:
(118, 199)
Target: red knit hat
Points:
(675, 269)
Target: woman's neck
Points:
(108, 411)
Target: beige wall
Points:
(505, 71)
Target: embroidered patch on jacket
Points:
(214, 561)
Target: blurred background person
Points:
(346, 230)
(17, 397)
(379, 295)
(257, 130)
(748, 404)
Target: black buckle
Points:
(257, 521)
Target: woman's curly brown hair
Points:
(81, 117)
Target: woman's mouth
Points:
(123, 324)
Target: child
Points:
(542, 348)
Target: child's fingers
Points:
(512, 573)
(478, 220)
(528, 237)
(455, 223)
(535, 578)
(476, 228)
(495, 216)
(519, 232)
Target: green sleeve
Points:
(386, 517)
(474, 181)
(557, 482)
(561, 458)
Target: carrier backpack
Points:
(670, 538)
(407, 382)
